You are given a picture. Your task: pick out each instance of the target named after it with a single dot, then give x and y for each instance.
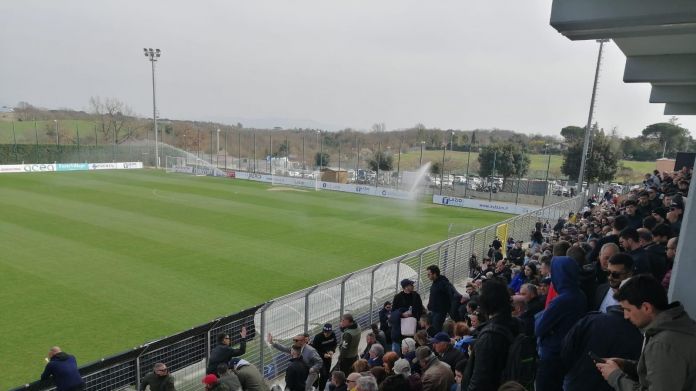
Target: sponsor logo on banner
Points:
(231, 174)
(72, 167)
(483, 205)
(130, 165)
(255, 176)
(39, 167)
(12, 168)
(103, 166)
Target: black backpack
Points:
(520, 365)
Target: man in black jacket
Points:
(224, 352)
(516, 254)
(296, 374)
(406, 303)
(535, 304)
(490, 350)
(325, 343)
(604, 334)
(440, 300)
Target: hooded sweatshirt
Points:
(62, 368)
(552, 324)
(669, 350)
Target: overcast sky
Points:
(332, 63)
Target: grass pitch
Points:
(98, 262)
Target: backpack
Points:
(520, 365)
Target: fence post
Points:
(137, 373)
(262, 344)
(306, 308)
(420, 268)
(343, 295)
(398, 272)
(207, 344)
(372, 291)
(454, 259)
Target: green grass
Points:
(26, 132)
(98, 262)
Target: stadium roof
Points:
(657, 37)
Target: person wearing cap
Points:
(405, 304)
(212, 383)
(398, 380)
(325, 344)
(437, 376)
(442, 345)
(675, 214)
(224, 351)
(309, 356)
(158, 380)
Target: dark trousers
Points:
(325, 374)
(436, 321)
(345, 364)
(549, 375)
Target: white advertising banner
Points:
(116, 166)
(483, 205)
(11, 168)
(310, 183)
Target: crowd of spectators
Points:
(582, 306)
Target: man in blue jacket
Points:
(552, 324)
(62, 368)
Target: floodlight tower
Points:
(153, 56)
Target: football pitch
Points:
(99, 262)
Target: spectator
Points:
(442, 345)
(605, 334)
(458, 376)
(360, 366)
(348, 348)
(406, 304)
(379, 373)
(338, 381)
(404, 368)
(437, 376)
(408, 349)
(212, 383)
(388, 362)
(462, 338)
(370, 340)
(675, 214)
(656, 253)
(535, 304)
(384, 324)
(224, 351)
(440, 300)
(620, 268)
(668, 358)
(552, 325)
(249, 376)
(502, 271)
(516, 254)
(606, 252)
(635, 220)
(296, 375)
(325, 344)
(490, 350)
(619, 223)
(366, 383)
(379, 335)
(352, 381)
(671, 254)
(375, 356)
(62, 369)
(308, 354)
(158, 380)
(518, 278)
(228, 377)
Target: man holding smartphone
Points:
(668, 359)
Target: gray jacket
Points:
(669, 352)
(310, 356)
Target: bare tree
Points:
(113, 118)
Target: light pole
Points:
(546, 182)
(153, 56)
(442, 168)
(420, 161)
(55, 121)
(217, 150)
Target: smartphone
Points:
(596, 358)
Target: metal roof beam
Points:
(680, 109)
(666, 69)
(673, 94)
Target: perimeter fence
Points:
(361, 293)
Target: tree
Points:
(670, 135)
(435, 168)
(381, 160)
(510, 160)
(282, 149)
(113, 117)
(321, 159)
(572, 134)
(601, 164)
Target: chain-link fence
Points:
(361, 293)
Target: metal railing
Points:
(361, 293)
